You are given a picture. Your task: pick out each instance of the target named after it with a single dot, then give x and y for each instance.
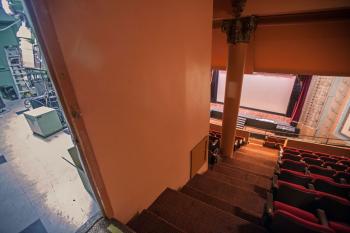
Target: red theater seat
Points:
(337, 211)
(345, 162)
(322, 154)
(342, 175)
(328, 159)
(305, 151)
(295, 211)
(309, 155)
(294, 177)
(339, 227)
(295, 195)
(293, 157)
(336, 166)
(291, 151)
(321, 170)
(312, 161)
(284, 222)
(293, 165)
(338, 157)
(331, 187)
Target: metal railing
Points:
(312, 138)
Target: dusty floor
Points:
(39, 190)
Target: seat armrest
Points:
(279, 160)
(277, 169)
(269, 204)
(311, 186)
(322, 217)
(307, 172)
(342, 181)
(274, 182)
(329, 167)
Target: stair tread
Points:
(236, 182)
(148, 222)
(249, 167)
(244, 176)
(223, 205)
(249, 158)
(234, 195)
(194, 216)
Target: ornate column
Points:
(238, 35)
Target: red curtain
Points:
(298, 107)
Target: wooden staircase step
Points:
(262, 192)
(260, 152)
(148, 222)
(248, 161)
(223, 205)
(266, 172)
(234, 195)
(194, 216)
(253, 159)
(244, 176)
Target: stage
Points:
(257, 121)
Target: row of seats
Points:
(214, 145)
(318, 183)
(274, 142)
(340, 176)
(309, 194)
(216, 136)
(293, 208)
(337, 163)
(316, 154)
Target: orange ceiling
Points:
(222, 8)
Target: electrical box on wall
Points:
(43, 121)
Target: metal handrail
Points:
(299, 135)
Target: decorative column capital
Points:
(239, 30)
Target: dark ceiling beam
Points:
(339, 14)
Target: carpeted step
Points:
(254, 168)
(260, 152)
(262, 192)
(194, 216)
(148, 222)
(223, 205)
(244, 176)
(234, 195)
(250, 160)
(254, 159)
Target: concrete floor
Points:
(39, 191)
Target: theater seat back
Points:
(337, 209)
(312, 161)
(293, 165)
(328, 159)
(334, 188)
(295, 195)
(321, 171)
(294, 177)
(291, 157)
(284, 222)
(308, 155)
(290, 151)
(335, 166)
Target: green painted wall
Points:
(7, 37)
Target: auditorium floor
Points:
(39, 190)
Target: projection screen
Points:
(267, 92)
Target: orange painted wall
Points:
(141, 73)
(310, 48)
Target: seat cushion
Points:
(339, 227)
(295, 211)
(284, 221)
